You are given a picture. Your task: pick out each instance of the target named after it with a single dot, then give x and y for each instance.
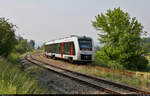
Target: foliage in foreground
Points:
(7, 37)
(122, 38)
(14, 81)
(10, 42)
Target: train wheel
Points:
(71, 60)
(51, 57)
(54, 57)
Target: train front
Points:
(86, 49)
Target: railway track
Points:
(92, 81)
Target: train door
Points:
(62, 49)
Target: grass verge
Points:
(15, 81)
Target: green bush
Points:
(7, 37)
(13, 57)
(99, 59)
(114, 65)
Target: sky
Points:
(45, 20)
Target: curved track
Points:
(92, 81)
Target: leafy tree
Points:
(30, 45)
(7, 37)
(122, 37)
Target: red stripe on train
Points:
(71, 49)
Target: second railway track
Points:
(97, 83)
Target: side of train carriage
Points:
(74, 48)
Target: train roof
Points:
(67, 39)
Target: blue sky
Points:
(44, 20)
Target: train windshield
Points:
(85, 44)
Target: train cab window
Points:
(85, 44)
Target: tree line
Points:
(9, 42)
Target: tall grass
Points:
(14, 81)
(121, 76)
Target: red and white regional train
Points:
(74, 48)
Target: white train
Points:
(74, 48)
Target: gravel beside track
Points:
(38, 72)
(66, 85)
